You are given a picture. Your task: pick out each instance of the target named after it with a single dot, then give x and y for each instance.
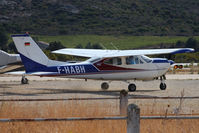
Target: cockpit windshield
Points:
(146, 59)
(93, 60)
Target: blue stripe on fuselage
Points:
(160, 61)
(32, 66)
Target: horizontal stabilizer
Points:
(31, 73)
(16, 73)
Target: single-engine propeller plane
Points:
(107, 65)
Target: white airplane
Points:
(108, 65)
(6, 58)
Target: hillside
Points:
(132, 17)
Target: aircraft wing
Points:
(118, 53)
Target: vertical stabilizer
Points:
(28, 48)
(31, 55)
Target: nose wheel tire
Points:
(132, 87)
(163, 86)
(104, 86)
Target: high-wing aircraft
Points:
(107, 65)
(6, 58)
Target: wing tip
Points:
(183, 50)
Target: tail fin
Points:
(31, 55)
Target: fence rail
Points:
(63, 119)
(100, 98)
(169, 117)
(94, 118)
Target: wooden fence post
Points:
(123, 102)
(133, 119)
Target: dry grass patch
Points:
(83, 109)
(170, 126)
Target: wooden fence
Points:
(131, 113)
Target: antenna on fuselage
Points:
(114, 46)
(103, 46)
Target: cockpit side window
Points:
(130, 60)
(114, 61)
(137, 60)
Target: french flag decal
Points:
(27, 43)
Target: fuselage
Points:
(117, 68)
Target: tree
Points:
(3, 39)
(88, 46)
(79, 46)
(12, 48)
(94, 46)
(97, 46)
(55, 46)
(192, 43)
(180, 44)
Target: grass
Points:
(84, 109)
(121, 42)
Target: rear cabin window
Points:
(113, 61)
(133, 60)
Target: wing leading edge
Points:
(118, 53)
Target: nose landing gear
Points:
(163, 85)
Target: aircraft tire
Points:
(24, 81)
(163, 86)
(132, 87)
(104, 86)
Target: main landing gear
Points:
(24, 80)
(131, 87)
(163, 85)
(104, 86)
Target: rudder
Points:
(27, 47)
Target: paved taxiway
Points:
(41, 88)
